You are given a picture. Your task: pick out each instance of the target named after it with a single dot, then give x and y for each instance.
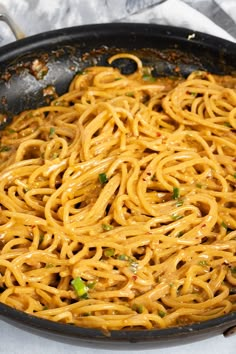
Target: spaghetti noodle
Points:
(118, 202)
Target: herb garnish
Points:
(4, 148)
(80, 287)
(148, 77)
(51, 132)
(109, 252)
(223, 224)
(176, 193)
(203, 263)
(161, 313)
(107, 227)
(176, 216)
(138, 308)
(103, 178)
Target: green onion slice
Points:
(4, 148)
(107, 227)
(51, 131)
(79, 286)
(109, 252)
(223, 224)
(148, 77)
(176, 193)
(176, 217)
(161, 313)
(203, 263)
(103, 178)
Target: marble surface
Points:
(217, 17)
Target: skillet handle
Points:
(18, 33)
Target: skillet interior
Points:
(64, 52)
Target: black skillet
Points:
(171, 52)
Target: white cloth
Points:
(229, 6)
(180, 14)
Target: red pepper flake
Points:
(158, 134)
(203, 225)
(134, 277)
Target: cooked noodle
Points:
(118, 202)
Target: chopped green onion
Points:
(130, 94)
(199, 185)
(179, 203)
(79, 286)
(122, 257)
(41, 238)
(107, 227)
(161, 313)
(138, 308)
(175, 193)
(49, 265)
(176, 216)
(223, 224)
(11, 131)
(4, 148)
(103, 178)
(54, 155)
(109, 252)
(45, 308)
(227, 124)
(118, 78)
(203, 263)
(60, 103)
(233, 270)
(181, 233)
(234, 175)
(148, 77)
(133, 265)
(193, 94)
(51, 132)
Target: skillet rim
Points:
(13, 49)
